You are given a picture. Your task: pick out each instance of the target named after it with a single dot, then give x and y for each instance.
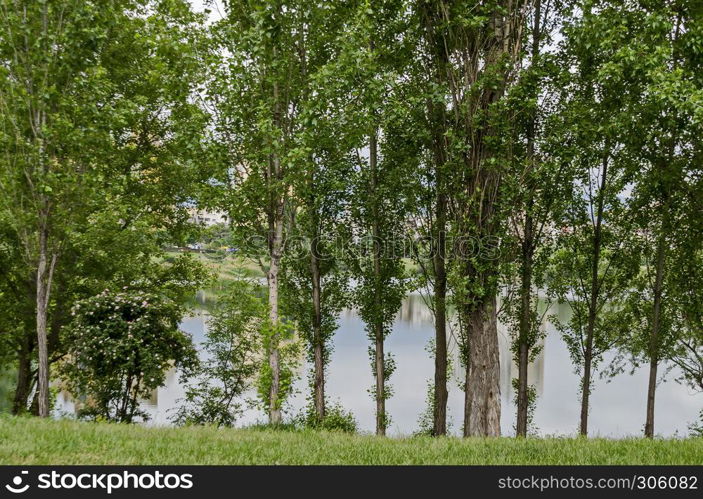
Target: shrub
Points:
(231, 360)
(120, 346)
(336, 419)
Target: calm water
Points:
(617, 409)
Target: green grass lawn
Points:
(35, 441)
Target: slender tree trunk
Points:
(439, 255)
(586, 384)
(380, 383)
(654, 335)
(45, 270)
(528, 247)
(379, 358)
(440, 302)
(318, 342)
(274, 319)
(275, 217)
(482, 396)
(593, 303)
(660, 270)
(525, 326)
(122, 413)
(379, 354)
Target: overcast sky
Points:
(215, 7)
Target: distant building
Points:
(206, 218)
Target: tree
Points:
(430, 76)
(256, 85)
(591, 271)
(315, 287)
(538, 192)
(379, 209)
(480, 148)
(87, 124)
(665, 140)
(45, 49)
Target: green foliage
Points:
(120, 347)
(570, 282)
(231, 360)
(6, 381)
(425, 421)
(532, 429)
(99, 135)
(696, 427)
(556, 145)
(336, 419)
(216, 237)
(684, 345)
(289, 347)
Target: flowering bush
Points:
(120, 347)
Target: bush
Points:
(232, 360)
(120, 347)
(336, 419)
(696, 428)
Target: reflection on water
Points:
(617, 409)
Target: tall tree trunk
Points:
(482, 395)
(438, 124)
(24, 376)
(654, 335)
(525, 325)
(528, 247)
(380, 383)
(440, 303)
(275, 219)
(379, 358)
(593, 303)
(318, 342)
(274, 319)
(439, 255)
(45, 270)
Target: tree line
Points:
(531, 151)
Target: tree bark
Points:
(440, 302)
(318, 342)
(275, 219)
(654, 336)
(380, 383)
(525, 326)
(45, 270)
(482, 395)
(24, 376)
(379, 358)
(439, 256)
(274, 319)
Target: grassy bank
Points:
(34, 441)
(225, 267)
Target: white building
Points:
(206, 218)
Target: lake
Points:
(617, 407)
